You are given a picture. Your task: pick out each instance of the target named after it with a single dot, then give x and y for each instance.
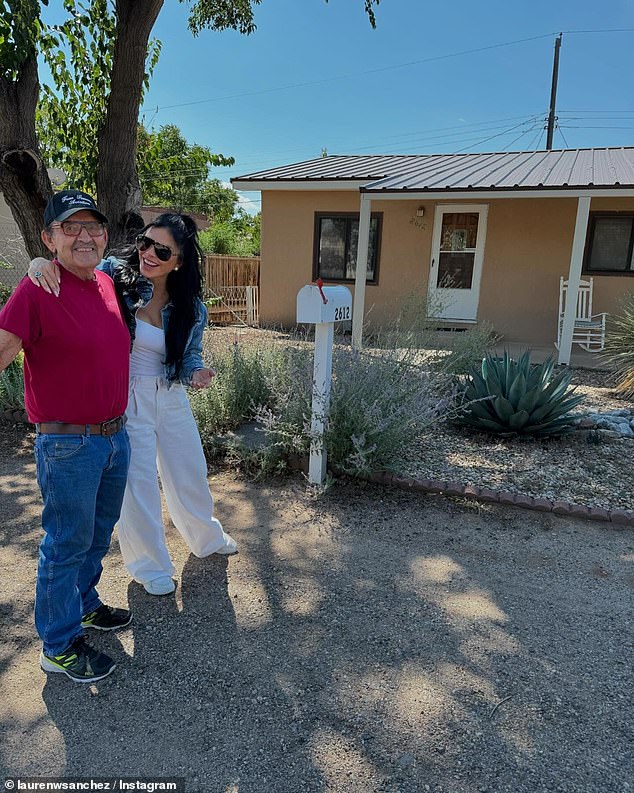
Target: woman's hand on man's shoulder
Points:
(45, 274)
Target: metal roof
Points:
(529, 170)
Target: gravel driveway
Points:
(369, 640)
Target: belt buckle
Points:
(110, 427)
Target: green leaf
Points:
(517, 388)
(503, 408)
(530, 399)
(519, 420)
(489, 424)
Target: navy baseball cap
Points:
(65, 203)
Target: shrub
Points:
(228, 239)
(378, 404)
(221, 238)
(619, 346)
(511, 397)
(240, 386)
(5, 290)
(379, 400)
(5, 293)
(12, 386)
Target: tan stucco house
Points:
(484, 236)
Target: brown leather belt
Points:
(62, 428)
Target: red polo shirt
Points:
(76, 349)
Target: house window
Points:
(336, 240)
(610, 244)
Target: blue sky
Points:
(316, 75)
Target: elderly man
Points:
(76, 358)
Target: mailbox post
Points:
(322, 306)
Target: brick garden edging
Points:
(623, 517)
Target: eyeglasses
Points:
(72, 228)
(163, 252)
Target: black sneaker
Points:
(80, 661)
(107, 618)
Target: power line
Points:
(354, 74)
(595, 118)
(484, 140)
(600, 30)
(472, 141)
(563, 136)
(541, 135)
(595, 111)
(537, 140)
(521, 135)
(263, 164)
(380, 69)
(584, 126)
(339, 146)
(459, 130)
(478, 126)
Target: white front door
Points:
(456, 264)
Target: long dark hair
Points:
(184, 285)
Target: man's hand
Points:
(45, 274)
(202, 378)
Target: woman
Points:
(159, 284)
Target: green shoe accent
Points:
(80, 661)
(107, 618)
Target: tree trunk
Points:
(24, 181)
(118, 189)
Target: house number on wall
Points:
(342, 312)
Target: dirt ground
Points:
(367, 640)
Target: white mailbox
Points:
(312, 309)
(322, 306)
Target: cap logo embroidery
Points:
(76, 199)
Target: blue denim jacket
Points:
(193, 355)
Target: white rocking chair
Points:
(589, 328)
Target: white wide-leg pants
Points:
(163, 434)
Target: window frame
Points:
(348, 216)
(594, 216)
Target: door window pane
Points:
(459, 231)
(455, 270)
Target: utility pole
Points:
(553, 95)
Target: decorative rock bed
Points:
(613, 424)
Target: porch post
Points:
(574, 276)
(358, 307)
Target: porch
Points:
(579, 359)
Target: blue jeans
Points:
(82, 479)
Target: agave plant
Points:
(509, 397)
(619, 347)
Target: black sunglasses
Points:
(163, 252)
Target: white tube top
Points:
(148, 351)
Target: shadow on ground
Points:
(370, 640)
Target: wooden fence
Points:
(222, 271)
(235, 280)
